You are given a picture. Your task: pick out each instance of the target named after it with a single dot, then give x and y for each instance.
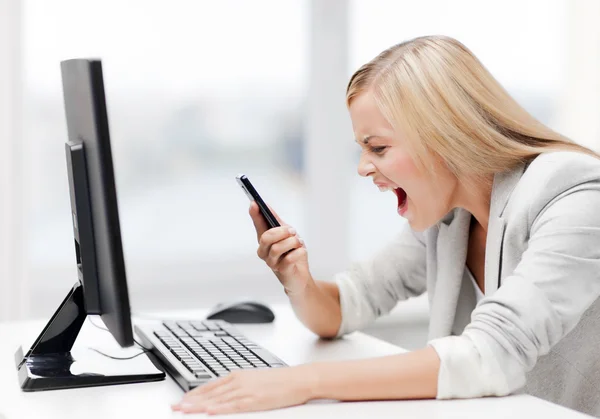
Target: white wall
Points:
(178, 252)
(579, 116)
(13, 300)
(329, 144)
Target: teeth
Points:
(385, 188)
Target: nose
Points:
(365, 167)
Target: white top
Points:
(478, 294)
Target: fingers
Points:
(201, 404)
(221, 389)
(237, 405)
(260, 224)
(272, 236)
(210, 387)
(280, 248)
(290, 260)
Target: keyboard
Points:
(194, 352)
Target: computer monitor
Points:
(101, 286)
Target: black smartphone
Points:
(244, 182)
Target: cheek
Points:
(400, 169)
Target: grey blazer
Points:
(537, 330)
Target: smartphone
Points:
(244, 182)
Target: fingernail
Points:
(300, 240)
(292, 231)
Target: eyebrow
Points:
(367, 138)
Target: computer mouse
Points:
(244, 311)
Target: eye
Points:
(378, 150)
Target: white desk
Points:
(286, 337)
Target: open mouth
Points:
(402, 198)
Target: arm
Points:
(372, 288)
(543, 300)
(315, 303)
(406, 376)
(366, 291)
(357, 296)
(412, 375)
(318, 307)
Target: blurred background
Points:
(199, 91)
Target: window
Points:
(197, 92)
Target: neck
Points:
(477, 202)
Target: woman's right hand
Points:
(283, 251)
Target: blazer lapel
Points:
(493, 254)
(452, 240)
(503, 185)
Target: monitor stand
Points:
(50, 363)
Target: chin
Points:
(419, 226)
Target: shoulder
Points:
(554, 163)
(553, 175)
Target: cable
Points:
(119, 358)
(97, 326)
(106, 330)
(144, 349)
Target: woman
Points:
(504, 236)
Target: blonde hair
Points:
(447, 104)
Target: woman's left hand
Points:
(251, 390)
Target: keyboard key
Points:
(266, 356)
(202, 334)
(213, 327)
(170, 325)
(198, 325)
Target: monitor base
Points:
(53, 363)
(54, 372)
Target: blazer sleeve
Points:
(556, 281)
(372, 288)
